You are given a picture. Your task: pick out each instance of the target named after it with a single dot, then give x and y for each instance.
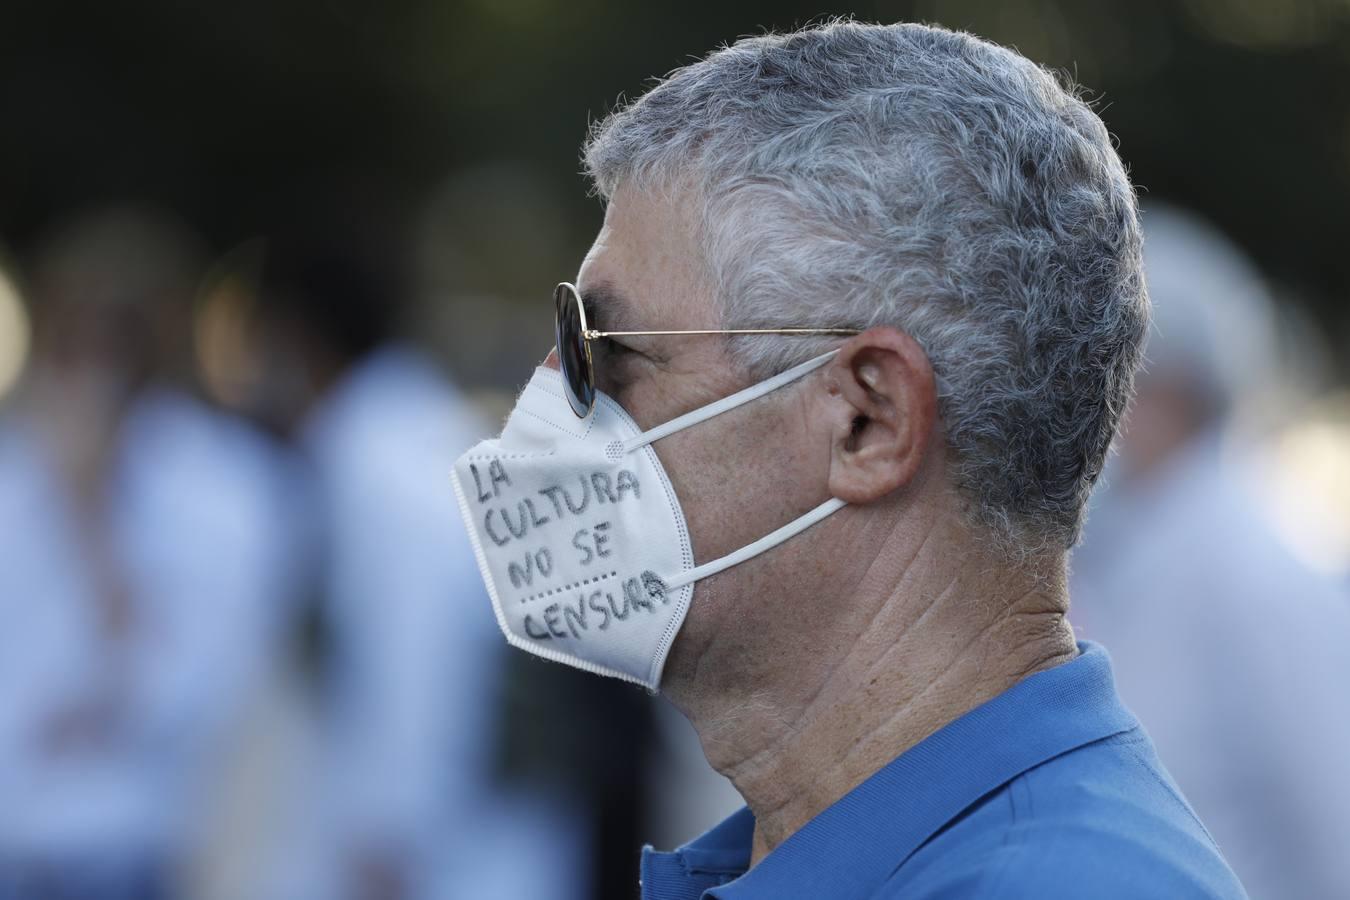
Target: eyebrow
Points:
(607, 309)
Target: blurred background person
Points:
(146, 566)
(408, 665)
(1229, 648)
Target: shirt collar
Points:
(855, 844)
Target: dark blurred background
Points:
(1239, 108)
(249, 250)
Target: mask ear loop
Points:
(749, 551)
(703, 414)
(717, 407)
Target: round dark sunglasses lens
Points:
(572, 351)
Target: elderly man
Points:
(842, 367)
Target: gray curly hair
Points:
(856, 175)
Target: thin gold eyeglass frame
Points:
(589, 334)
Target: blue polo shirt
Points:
(1051, 789)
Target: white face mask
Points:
(579, 535)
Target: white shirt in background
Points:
(1236, 658)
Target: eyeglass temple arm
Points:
(590, 334)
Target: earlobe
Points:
(884, 402)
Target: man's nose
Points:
(551, 361)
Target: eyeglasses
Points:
(574, 344)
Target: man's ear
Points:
(883, 402)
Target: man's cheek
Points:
(645, 398)
(716, 487)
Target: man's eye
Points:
(614, 366)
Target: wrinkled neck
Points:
(938, 627)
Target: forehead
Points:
(648, 258)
